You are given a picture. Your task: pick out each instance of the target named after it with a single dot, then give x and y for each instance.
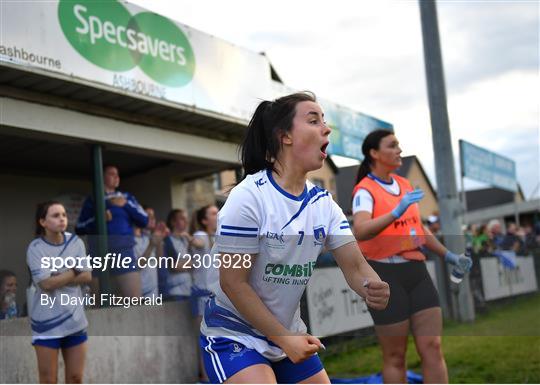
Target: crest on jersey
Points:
(319, 235)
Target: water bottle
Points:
(11, 310)
(457, 273)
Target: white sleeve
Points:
(339, 233)
(239, 223)
(362, 201)
(33, 259)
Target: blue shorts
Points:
(223, 358)
(63, 342)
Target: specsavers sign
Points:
(128, 48)
(106, 34)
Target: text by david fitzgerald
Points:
(101, 300)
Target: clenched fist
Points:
(378, 293)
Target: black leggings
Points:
(411, 290)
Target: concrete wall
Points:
(136, 345)
(192, 195)
(152, 188)
(96, 129)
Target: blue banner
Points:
(485, 166)
(349, 129)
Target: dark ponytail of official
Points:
(371, 142)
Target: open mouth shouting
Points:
(323, 150)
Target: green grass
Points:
(502, 346)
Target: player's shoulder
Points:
(317, 194)
(35, 243)
(72, 237)
(129, 196)
(250, 187)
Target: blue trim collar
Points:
(55, 244)
(380, 180)
(287, 194)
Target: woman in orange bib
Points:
(391, 236)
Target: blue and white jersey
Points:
(203, 276)
(285, 233)
(120, 227)
(149, 276)
(60, 319)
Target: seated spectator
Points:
(8, 293)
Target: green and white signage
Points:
(106, 34)
(130, 49)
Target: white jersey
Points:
(179, 283)
(203, 276)
(363, 201)
(66, 315)
(287, 233)
(149, 276)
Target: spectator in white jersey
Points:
(149, 245)
(203, 227)
(61, 323)
(175, 281)
(270, 232)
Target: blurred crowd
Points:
(486, 238)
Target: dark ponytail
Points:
(371, 142)
(261, 144)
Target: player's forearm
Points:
(197, 242)
(372, 227)
(251, 307)
(357, 278)
(82, 278)
(57, 281)
(433, 244)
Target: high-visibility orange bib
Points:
(404, 235)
